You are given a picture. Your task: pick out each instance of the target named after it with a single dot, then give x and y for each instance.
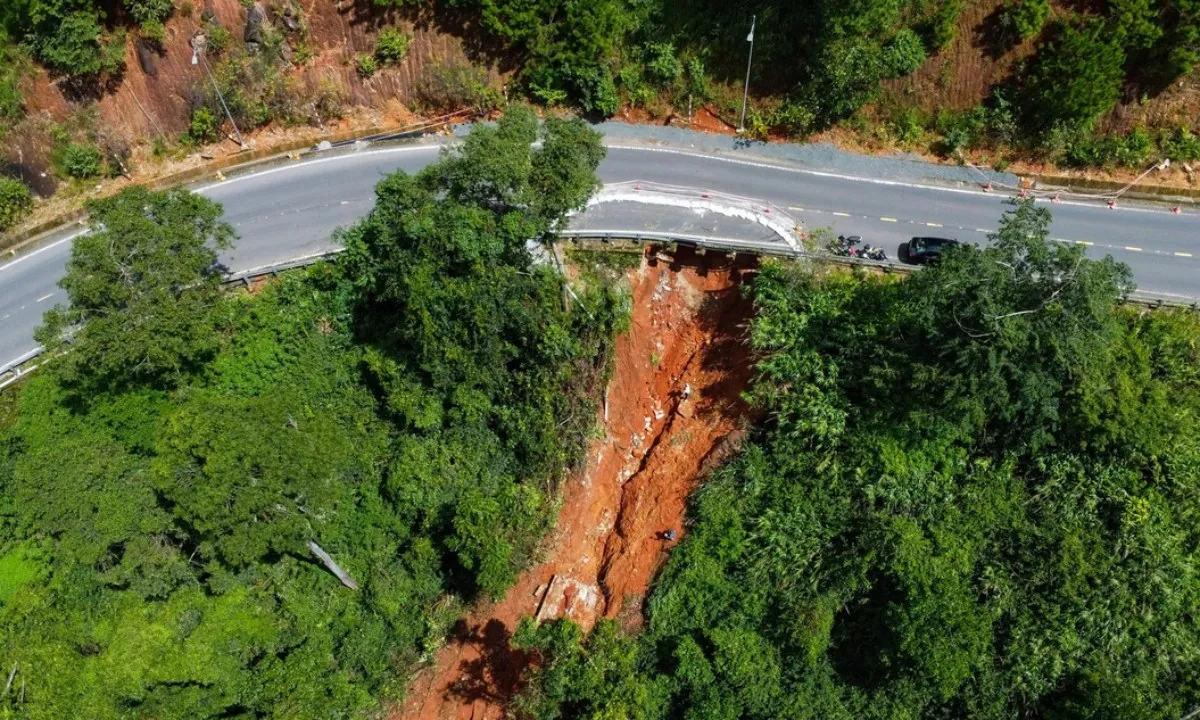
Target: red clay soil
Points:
(673, 410)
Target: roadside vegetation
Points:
(973, 494)
(1067, 73)
(170, 479)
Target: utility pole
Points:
(198, 47)
(746, 85)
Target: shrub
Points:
(695, 80)
(144, 11)
(662, 66)
(391, 46)
(218, 39)
(83, 161)
(74, 45)
(203, 127)
(909, 125)
(15, 201)
(12, 105)
(793, 118)
(365, 65)
(1075, 78)
(942, 26)
(594, 88)
(632, 81)
(154, 31)
(1132, 150)
(903, 54)
(1181, 145)
(1024, 19)
(455, 86)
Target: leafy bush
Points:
(204, 124)
(595, 89)
(73, 46)
(1135, 149)
(1135, 24)
(454, 86)
(12, 104)
(15, 202)
(942, 25)
(365, 65)
(1076, 77)
(695, 80)
(155, 32)
(146, 11)
(82, 160)
(1180, 145)
(909, 126)
(662, 65)
(391, 46)
(1024, 18)
(257, 91)
(903, 54)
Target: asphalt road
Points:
(291, 210)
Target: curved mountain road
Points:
(291, 210)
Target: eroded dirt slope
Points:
(673, 410)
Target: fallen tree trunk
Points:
(333, 567)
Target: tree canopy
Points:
(409, 413)
(141, 288)
(974, 496)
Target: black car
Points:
(924, 250)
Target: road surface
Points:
(291, 210)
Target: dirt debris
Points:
(687, 332)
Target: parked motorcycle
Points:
(870, 252)
(844, 246)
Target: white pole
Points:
(746, 85)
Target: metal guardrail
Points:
(246, 278)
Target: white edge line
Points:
(42, 249)
(874, 181)
(318, 161)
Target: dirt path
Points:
(673, 409)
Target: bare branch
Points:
(332, 565)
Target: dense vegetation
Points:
(822, 61)
(975, 496)
(165, 483)
(818, 65)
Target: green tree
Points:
(972, 501)
(1076, 77)
(141, 287)
(1024, 19)
(15, 201)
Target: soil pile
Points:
(672, 411)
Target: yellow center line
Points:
(934, 224)
(1089, 243)
(885, 219)
(842, 214)
(1183, 254)
(1131, 248)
